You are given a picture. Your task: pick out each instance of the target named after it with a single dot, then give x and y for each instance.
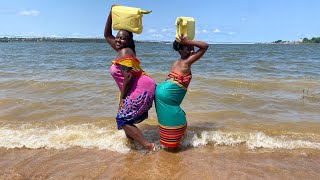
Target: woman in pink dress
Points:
(135, 86)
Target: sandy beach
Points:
(199, 163)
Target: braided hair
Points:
(177, 46)
(131, 45)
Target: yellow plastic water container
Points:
(185, 26)
(128, 18)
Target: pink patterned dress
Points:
(140, 96)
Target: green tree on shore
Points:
(312, 40)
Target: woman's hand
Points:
(114, 5)
(182, 39)
(120, 104)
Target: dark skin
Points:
(120, 44)
(182, 66)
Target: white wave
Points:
(109, 138)
(86, 136)
(252, 140)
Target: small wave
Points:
(86, 136)
(108, 138)
(312, 96)
(252, 140)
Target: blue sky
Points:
(216, 21)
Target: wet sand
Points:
(194, 163)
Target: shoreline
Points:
(102, 40)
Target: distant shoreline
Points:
(89, 40)
(86, 40)
(54, 39)
(102, 40)
(50, 39)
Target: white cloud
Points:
(216, 30)
(230, 33)
(243, 19)
(204, 31)
(29, 13)
(168, 30)
(152, 30)
(34, 34)
(157, 35)
(76, 35)
(54, 36)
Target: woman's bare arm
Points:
(199, 44)
(108, 32)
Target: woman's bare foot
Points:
(150, 147)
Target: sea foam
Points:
(252, 140)
(109, 138)
(86, 136)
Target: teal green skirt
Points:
(172, 119)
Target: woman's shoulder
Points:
(125, 52)
(126, 59)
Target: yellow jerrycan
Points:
(185, 26)
(128, 18)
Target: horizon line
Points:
(214, 42)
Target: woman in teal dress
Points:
(170, 93)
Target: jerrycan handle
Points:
(180, 21)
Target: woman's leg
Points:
(134, 133)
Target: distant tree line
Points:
(312, 40)
(48, 39)
(302, 41)
(52, 39)
(279, 41)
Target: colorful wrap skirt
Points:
(172, 119)
(138, 101)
